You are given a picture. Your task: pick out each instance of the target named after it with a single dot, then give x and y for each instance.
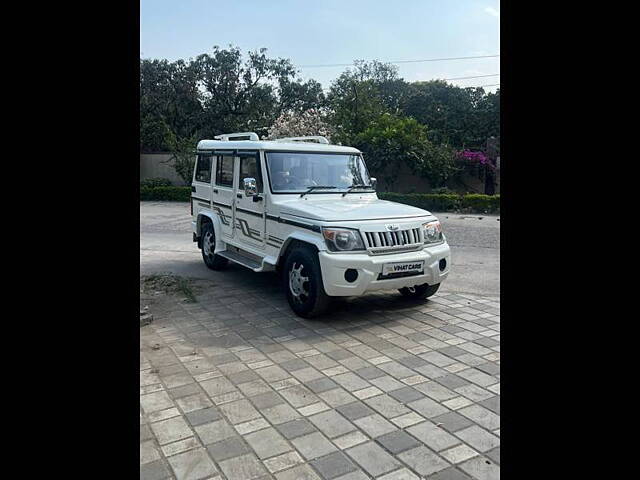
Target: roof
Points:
(271, 145)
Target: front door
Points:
(250, 211)
(222, 192)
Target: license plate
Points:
(404, 267)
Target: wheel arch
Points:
(299, 239)
(203, 217)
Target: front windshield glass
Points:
(296, 172)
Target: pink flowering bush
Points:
(299, 124)
(474, 159)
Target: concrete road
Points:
(166, 246)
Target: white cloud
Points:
(492, 11)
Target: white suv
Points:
(309, 210)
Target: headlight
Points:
(432, 232)
(342, 239)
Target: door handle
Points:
(239, 195)
(215, 190)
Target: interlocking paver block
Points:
(296, 428)
(282, 462)
(319, 385)
(156, 401)
(228, 448)
(375, 425)
(433, 436)
(459, 453)
(154, 471)
(387, 406)
(313, 445)
(355, 410)
(334, 465)
(478, 438)
(266, 400)
(148, 452)
(239, 411)
(171, 430)
(350, 440)
(245, 467)
(215, 432)
(423, 460)
(206, 415)
(452, 421)
(299, 396)
(192, 465)
(398, 441)
(482, 416)
(267, 443)
(481, 469)
(337, 397)
(331, 423)
(373, 458)
(280, 413)
(427, 407)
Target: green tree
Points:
(183, 155)
(391, 142)
(218, 93)
(169, 101)
(361, 95)
(461, 117)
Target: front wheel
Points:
(302, 281)
(420, 291)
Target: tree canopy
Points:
(420, 124)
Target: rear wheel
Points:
(420, 291)
(302, 281)
(211, 260)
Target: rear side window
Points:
(203, 169)
(224, 171)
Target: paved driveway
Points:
(235, 387)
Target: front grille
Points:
(380, 243)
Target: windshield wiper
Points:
(353, 187)
(314, 187)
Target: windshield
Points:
(296, 172)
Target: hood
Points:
(347, 208)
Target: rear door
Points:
(222, 192)
(201, 185)
(250, 212)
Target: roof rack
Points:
(309, 139)
(238, 136)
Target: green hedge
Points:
(166, 194)
(471, 203)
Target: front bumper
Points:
(370, 267)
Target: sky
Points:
(321, 32)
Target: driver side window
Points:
(250, 168)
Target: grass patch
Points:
(169, 284)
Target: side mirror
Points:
(374, 183)
(250, 187)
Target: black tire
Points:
(311, 299)
(419, 291)
(211, 260)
